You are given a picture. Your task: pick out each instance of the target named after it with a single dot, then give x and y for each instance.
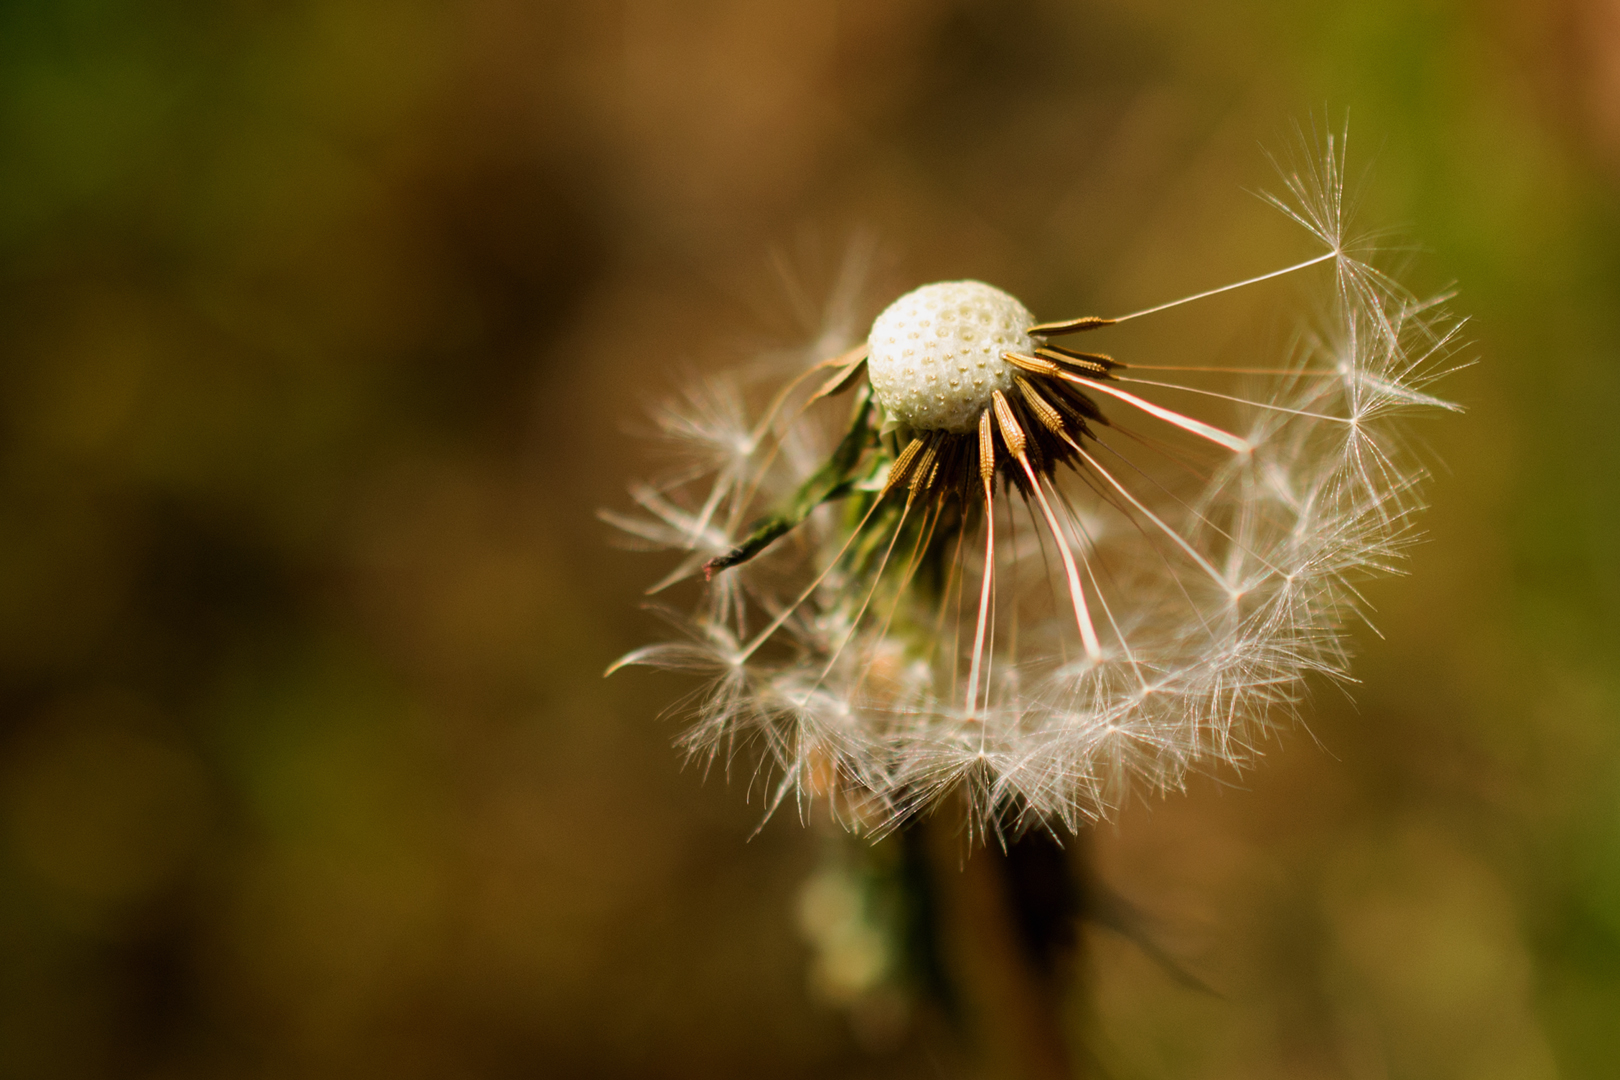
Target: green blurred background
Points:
(326, 326)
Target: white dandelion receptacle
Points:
(1034, 573)
(935, 355)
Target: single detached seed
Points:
(926, 341)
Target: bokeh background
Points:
(326, 326)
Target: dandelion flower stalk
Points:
(1032, 571)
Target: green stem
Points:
(1006, 928)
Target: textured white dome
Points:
(934, 355)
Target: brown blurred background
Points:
(325, 327)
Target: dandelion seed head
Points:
(1024, 572)
(935, 353)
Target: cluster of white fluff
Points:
(1220, 581)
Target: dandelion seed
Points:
(1033, 573)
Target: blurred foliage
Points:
(324, 326)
